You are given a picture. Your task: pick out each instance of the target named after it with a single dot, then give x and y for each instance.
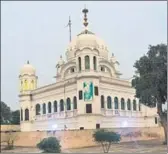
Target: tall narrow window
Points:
(21, 115)
(79, 62)
(156, 120)
(68, 104)
(87, 62)
(27, 115)
(55, 106)
(44, 108)
(128, 104)
(116, 102)
(61, 105)
(134, 105)
(49, 107)
(122, 104)
(102, 69)
(109, 106)
(94, 63)
(88, 108)
(80, 95)
(37, 109)
(75, 102)
(102, 101)
(96, 91)
(139, 106)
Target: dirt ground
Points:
(149, 147)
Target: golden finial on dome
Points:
(85, 23)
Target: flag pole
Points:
(69, 29)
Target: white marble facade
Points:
(88, 92)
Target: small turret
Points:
(59, 64)
(114, 61)
(27, 78)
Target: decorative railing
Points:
(124, 113)
(57, 115)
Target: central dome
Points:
(86, 39)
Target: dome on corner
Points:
(88, 39)
(27, 69)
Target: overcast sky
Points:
(35, 31)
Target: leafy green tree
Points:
(150, 80)
(5, 113)
(50, 145)
(15, 117)
(106, 138)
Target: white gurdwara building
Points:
(88, 93)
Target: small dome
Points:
(28, 69)
(88, 39)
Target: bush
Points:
(106, 138)
(50, 145)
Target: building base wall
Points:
(83, 138)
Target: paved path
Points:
(149, 147)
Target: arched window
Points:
(116, 102)
(109, 106)
(87, 62)
(61, 105)
(44, 108)
(102, 101)
(128, 104)
(27, 115)
(122, 104)
(49, 107)
(134, 105)
(75, 102)
(37, 109)
(21, 113)
(68, 104)
(55, 106)
(79, 62)
(94, 63)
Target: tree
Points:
(15, 117)
(50, 145)
(106, 138)
(150, 80)
(5, 113)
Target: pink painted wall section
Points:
(83, 138)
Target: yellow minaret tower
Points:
(27, 78)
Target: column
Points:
(82, 63)
(91, 62)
